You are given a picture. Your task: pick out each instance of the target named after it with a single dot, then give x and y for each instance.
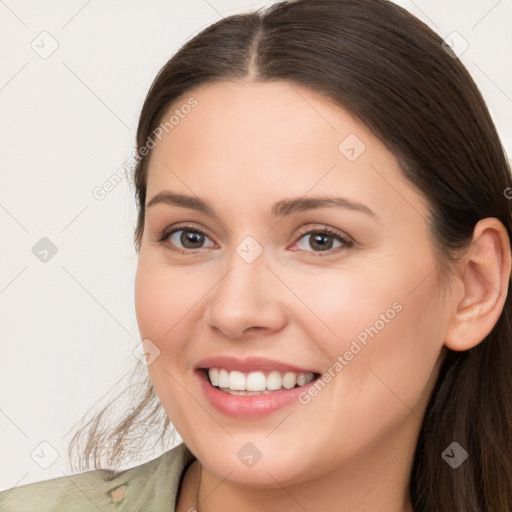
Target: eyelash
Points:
(347, 242)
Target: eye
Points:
(322, 239)
(190, 237)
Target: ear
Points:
(483, 276)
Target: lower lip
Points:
(253, 406)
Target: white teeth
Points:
(214, 376)
(274, 380)
(223, 379)
(237, 381)
(301, 379)
(289, 380)
(256, 382)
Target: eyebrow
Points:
(279, 209)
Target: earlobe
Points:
(484, 274)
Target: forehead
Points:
(272, 140)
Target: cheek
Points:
(163, 296)
(159, 306)
(337, 305)
(390, 349)
(381, 334)
(168, 303)
(150, 303)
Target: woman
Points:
(323, 278)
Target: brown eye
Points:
(184, 238)
(323, 240)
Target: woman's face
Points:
(361, 304)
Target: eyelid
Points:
(163, 235)
(347, 240)
(322, 228)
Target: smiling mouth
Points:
(256, 383)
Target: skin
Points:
(245, 146)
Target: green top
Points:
(149, 487)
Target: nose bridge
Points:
(245, 284)
(245, 296)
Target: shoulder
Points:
(149, 487)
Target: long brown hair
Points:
(390, 70)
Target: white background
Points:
(67, 123)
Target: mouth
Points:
(256, 400)
(255, 383)
(252, 387)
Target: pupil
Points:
(191, 237)
(321, 240)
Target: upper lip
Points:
(249, 364)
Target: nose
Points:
(246, 301)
